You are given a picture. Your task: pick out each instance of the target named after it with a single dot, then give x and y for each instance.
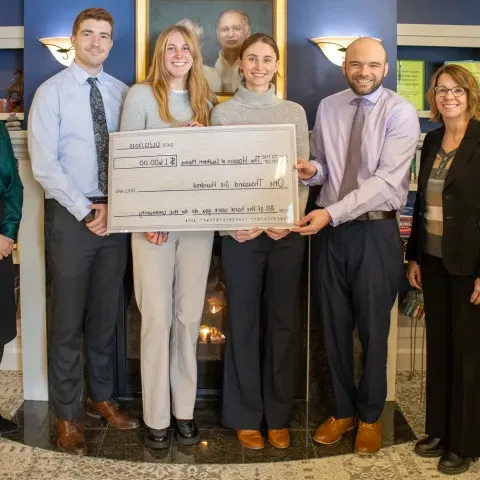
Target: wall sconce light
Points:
(334, 48)
(61, 48)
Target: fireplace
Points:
(211, 339)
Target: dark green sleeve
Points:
(12, 186)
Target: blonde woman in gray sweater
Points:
(262, 273)
(170, 270)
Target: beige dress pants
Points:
(170, 282)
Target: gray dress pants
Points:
(87, 276)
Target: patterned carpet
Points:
(398, 462)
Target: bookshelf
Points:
(11, 37)
(459, 40)
(425, 35)
(4, 116)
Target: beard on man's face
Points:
(359, 90)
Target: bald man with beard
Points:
(361, 148)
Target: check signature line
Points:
(212, 189)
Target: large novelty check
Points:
(203, 178)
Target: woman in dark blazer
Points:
(11, 200)
(444, 261)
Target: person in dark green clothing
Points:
(11, 200)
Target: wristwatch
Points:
(90, 217)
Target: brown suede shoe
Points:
(332, 430)
(279, 438)
(70, 437)
(111, 412)
(369, 438)
(251, 439)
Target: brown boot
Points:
(332, 430)
(111, 412)
(251, 439)
(369, 438)
(70, 437)
(279, 438)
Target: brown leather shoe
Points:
(251, 439)
(70, 437)
(279, 438)
(332, 430)
(111, 412)
(369, 438)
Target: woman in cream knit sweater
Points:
(170, 269)
(262, 272)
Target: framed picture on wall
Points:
(221, 27)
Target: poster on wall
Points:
(221, 27)
(470, 65)
(411, 81)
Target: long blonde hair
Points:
(159, 78)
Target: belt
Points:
(376, 215)
(95, 200)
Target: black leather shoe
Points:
(453, 464)
(156, 438)
(187, 432)
(6, 426)
(429, 447)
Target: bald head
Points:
(365, 65)
(367, 46)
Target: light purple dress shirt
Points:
(390, 136)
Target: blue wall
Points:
(459, 12)
(310, 76)
(11, 14)
(50, 18)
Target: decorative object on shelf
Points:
(61, 48)
(334, 48)
(13, 123)
(15, 90)
(6, 105)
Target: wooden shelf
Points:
(423, 113)
(11, 37)
(412, 186)
(4, 116)
(425, 35)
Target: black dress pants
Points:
(262, 280)
(87, 274)
(356, 271)
(453, 358)
(8, 308)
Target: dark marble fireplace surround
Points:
(219, 444)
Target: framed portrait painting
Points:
(221, 27)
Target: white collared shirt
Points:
(61, 142)
(231, 78)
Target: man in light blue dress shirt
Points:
(361, 148)
(69, 121)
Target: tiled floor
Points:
(218, 445)
(32, 454)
